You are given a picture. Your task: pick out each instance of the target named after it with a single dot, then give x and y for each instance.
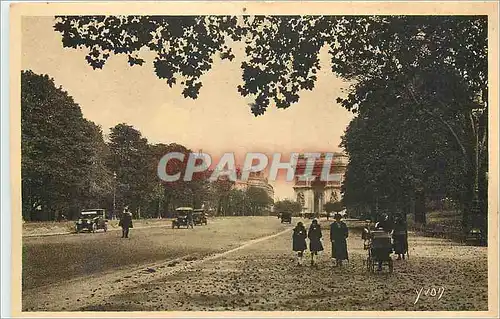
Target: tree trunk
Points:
(158, 214)
(219, 207)
(420, 208)
(467, 200)
(166, 205)
(27, 210)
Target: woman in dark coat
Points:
(314, 236)
(400, 237)
(299, 241)
(338, 236)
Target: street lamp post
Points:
(114, 195)
(475, 201)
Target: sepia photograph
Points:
(274, 159)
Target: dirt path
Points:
(262, 275)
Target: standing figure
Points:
(338, 236)
(190, 219)
(299, 241)
(366, 234)
(384, 223)
(400, 237)
(126, 222)
(315, 236)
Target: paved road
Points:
(263, 276)
(49, 260)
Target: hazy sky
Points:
(218, 121)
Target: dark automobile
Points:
(286, 217)
(309, 215)
(200, 217)
(92, 220)
(183, 217)
(475, 236)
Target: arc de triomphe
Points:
(313, 194)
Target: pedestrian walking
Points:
(400, 237)
(315, 237)
(299, 241)
(338, 237)
(190, 219)
(125, 222)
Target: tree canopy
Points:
(419, 86)
(61, 164)
(281, 52)
(331, 207)
(67, 166)
(287, 205)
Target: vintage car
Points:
(286, 217)
(183, 217)
(200, 217)
(309, 215)
(92, 220)
(475, 236)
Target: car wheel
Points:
(94, 228)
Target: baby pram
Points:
(379, 246)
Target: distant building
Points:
(313, 194)
(256, 179)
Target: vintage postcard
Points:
(254, 159)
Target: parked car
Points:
(200, 217)
(475, 236)
(92, 220)
(183, 217)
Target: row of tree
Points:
(420, 89)
(67, 165)
(420, 135)
(287, 205)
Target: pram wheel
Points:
(369, 264)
